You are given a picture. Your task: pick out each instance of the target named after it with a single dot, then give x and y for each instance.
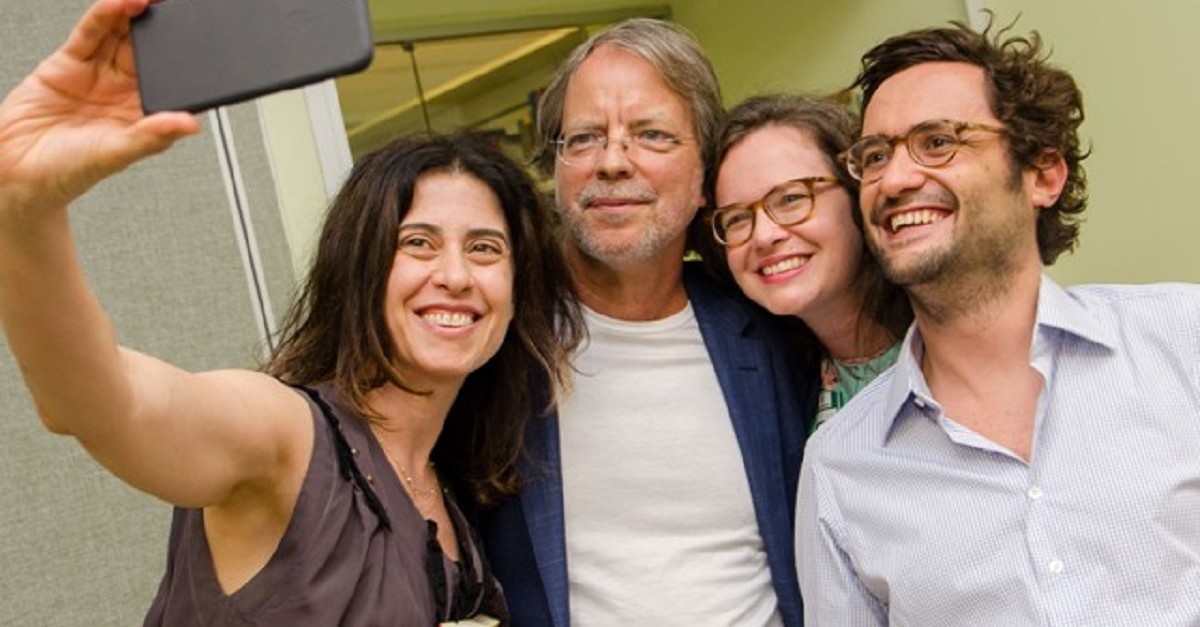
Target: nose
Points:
(900, 174)
(765, 232)
(612, 162)
(453, 273)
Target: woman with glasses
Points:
(787, 228)
(306, 494)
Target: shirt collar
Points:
(907, 379)
(1059, 310)
(1056, 310)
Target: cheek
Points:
(509, 306)
(850, 246)
(839, 239)
(698, 192)
(867, 197)
(668, 176)
(503, 294)
(847, 230)
(400, 285)
(741, 265)
(692, 187)
(737, 258)
(567, 181)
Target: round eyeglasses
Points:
(932, 143)
(582, 148)
(786, 204)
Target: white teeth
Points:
(909, 218)
(448, 319)
(783, 266)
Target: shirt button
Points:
(1055, 566)
(1035, 493)
(370, 479)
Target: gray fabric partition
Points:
(77, 547)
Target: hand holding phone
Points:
(75, 119)
(193, 55)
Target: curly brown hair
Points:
(336, 330)
(1039, 104)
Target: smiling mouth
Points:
(448, 319)
(609, 203)
(791, 263)
(919, 217)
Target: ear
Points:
(1045, 180)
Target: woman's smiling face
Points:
(450, 291)
(808, 269)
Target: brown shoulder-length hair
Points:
(336, 330)
(1040, 106)
(831, 126)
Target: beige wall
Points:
(808, 46)
(296, 170)
(1132, 64)
(1136, 67)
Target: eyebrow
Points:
(658, 118)
(476, 232)
(654, 118)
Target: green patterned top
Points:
(841, 380)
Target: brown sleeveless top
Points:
(356, 552)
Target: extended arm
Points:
(192, 440)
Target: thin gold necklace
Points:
(419, 495)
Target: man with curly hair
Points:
(1032, 457)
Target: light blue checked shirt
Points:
(906, 518)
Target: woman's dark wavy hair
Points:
(336, 331)
(1039, 105)
(832, 128)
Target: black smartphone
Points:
(193, 55)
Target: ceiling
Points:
(479, 64)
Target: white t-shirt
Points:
(660, 524)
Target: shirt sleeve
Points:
(833, 594)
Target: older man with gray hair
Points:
(662, 491)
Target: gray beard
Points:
(650, 243)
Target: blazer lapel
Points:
(746, 371)
(542, 503)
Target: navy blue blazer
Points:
(770, 396)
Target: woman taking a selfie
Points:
(316, 492)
